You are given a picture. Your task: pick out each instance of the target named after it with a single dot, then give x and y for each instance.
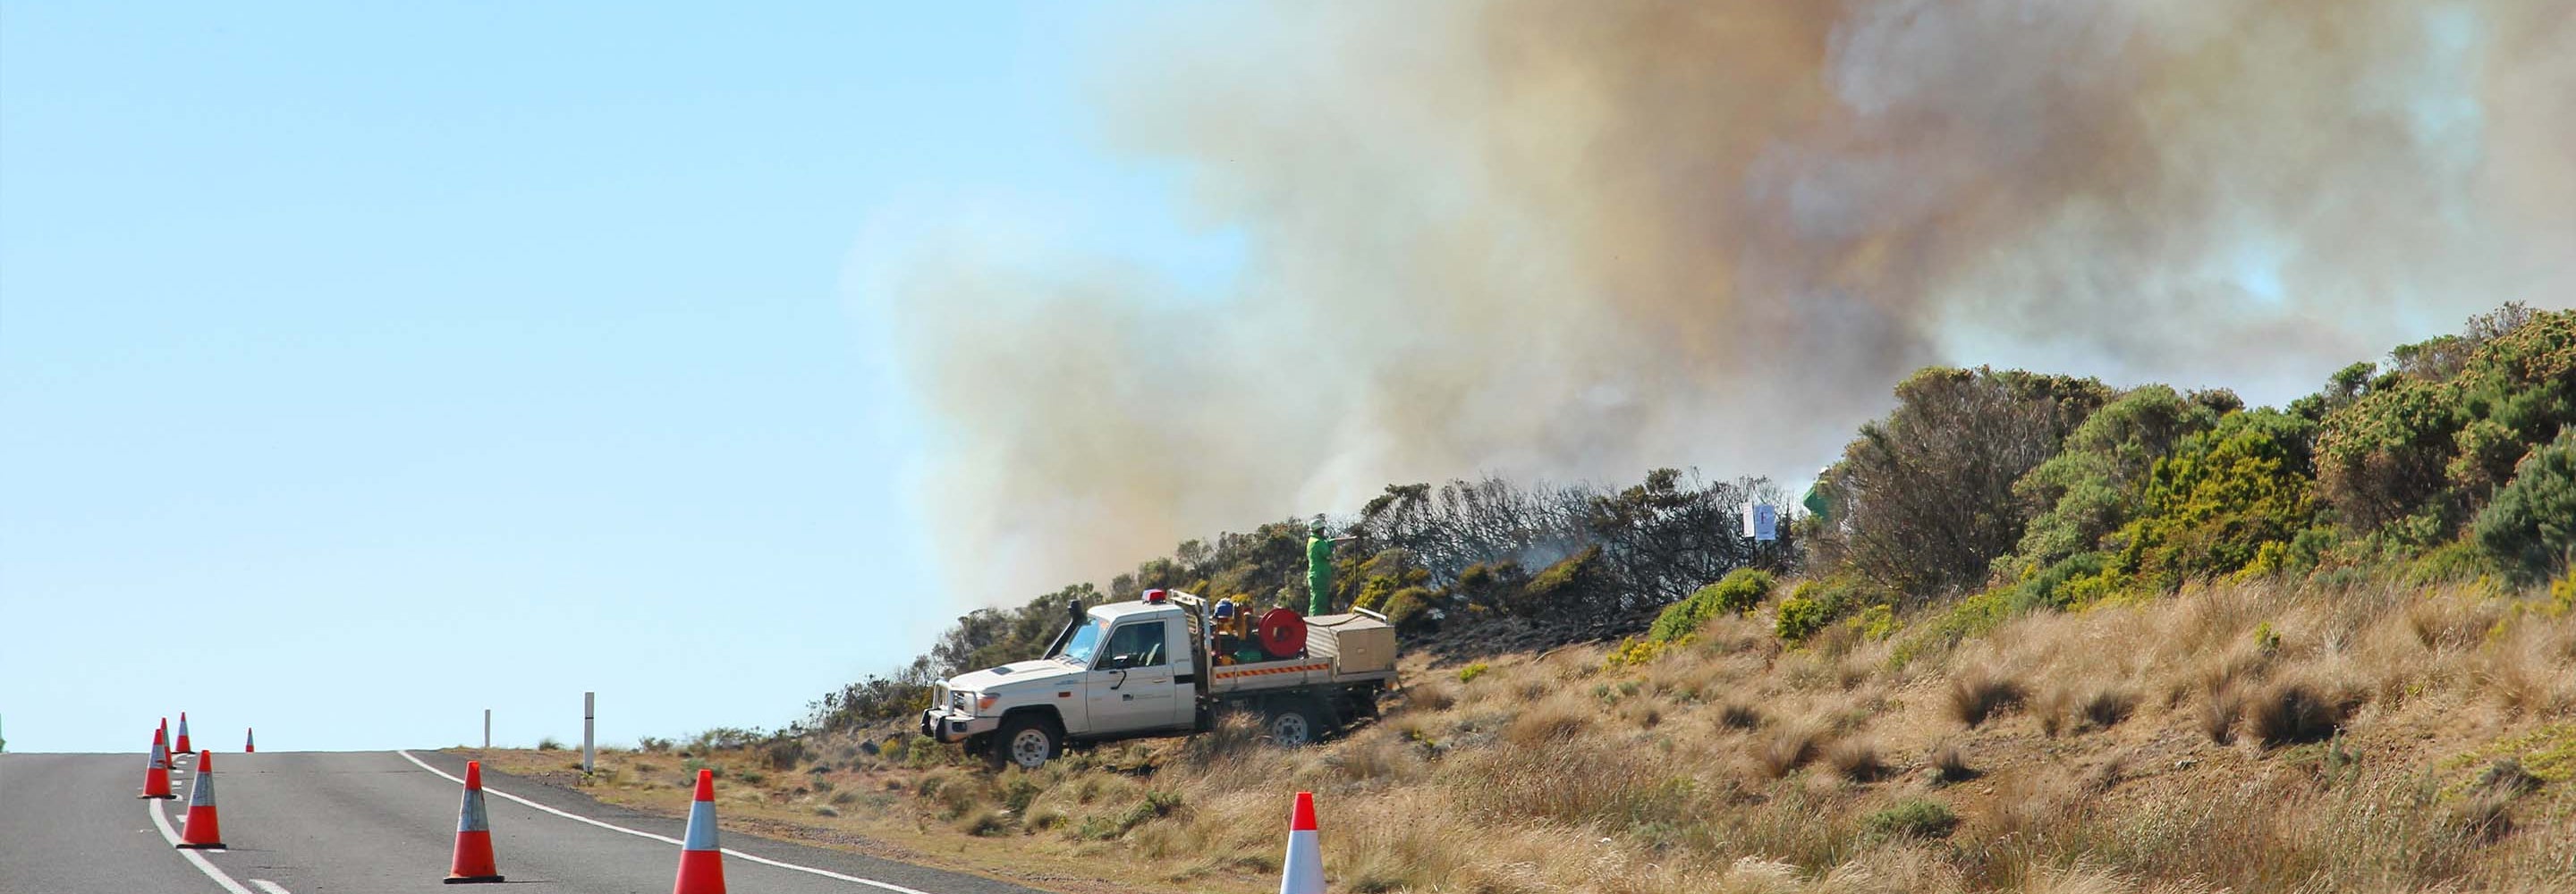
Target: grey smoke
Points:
(1578, 240)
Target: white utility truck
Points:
(1169, 664)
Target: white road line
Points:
(730, 852)
(269, 886)
(207, 866)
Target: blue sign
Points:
(1762, 522)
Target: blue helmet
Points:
(1225, 608)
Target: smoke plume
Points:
(1578, 240)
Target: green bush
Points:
(1568, 585)
(1911, 818)
(2436, 437)
(1409, 608)
(2091, 487)
(1808, 609)
(1737, 593)
(1469, 673)
(2530, 526)
(2210, 508)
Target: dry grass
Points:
(1787, 749)
(2242, 738)
(1856, 761)
(1950, 766)
(2294, 711)
(1978, 694)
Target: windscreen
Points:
(1085, 642)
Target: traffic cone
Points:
(473, 861)
(182, 744)
(1303, 871)
(701, 863)
(249, 745)
(156, 772)
(165, 736)
(202, 831)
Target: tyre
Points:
(1027, 741)
(1291, 724)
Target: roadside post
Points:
(589, 751)
(487, 729)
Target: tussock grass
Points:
(1856, 761)
(1950, 766)
(1978, 694)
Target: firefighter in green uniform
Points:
(1319, 571)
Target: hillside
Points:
(2041, 634)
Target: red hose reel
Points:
(1282, 633)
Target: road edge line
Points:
(730, 852)
(204, 865)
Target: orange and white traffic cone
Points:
(473, 862)
(156, 772)
(202, 832)
(182, 744)
(249, 744)
(701, 862)
(1303, 871)
(165, 737)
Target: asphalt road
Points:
(324, 823)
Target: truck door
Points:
(1131, 687)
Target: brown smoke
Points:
(1580, 239)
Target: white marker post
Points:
(487, 729)
(587, 751)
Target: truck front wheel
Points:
(1027, 741)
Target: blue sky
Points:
(361, 369)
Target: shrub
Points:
(2210, 508)
(2507, 775)
(1977, 695)
(549, 744)
(1972, 616)
(983, 823)
(2530, 526)
(1911, 818)
(2091, 488)
(1737, 715)
(1632, 652)
(1737, 593)
(1469, 673)
(1571, 585)
(1409, 609)
(1876, 622)
(1817, 604)
(2436, 439)
(784, 754)
(657, 746)
(1927, 493)
(1018, 791)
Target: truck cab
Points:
(1127, 669)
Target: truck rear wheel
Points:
(1027, 741)
(1292, 723)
